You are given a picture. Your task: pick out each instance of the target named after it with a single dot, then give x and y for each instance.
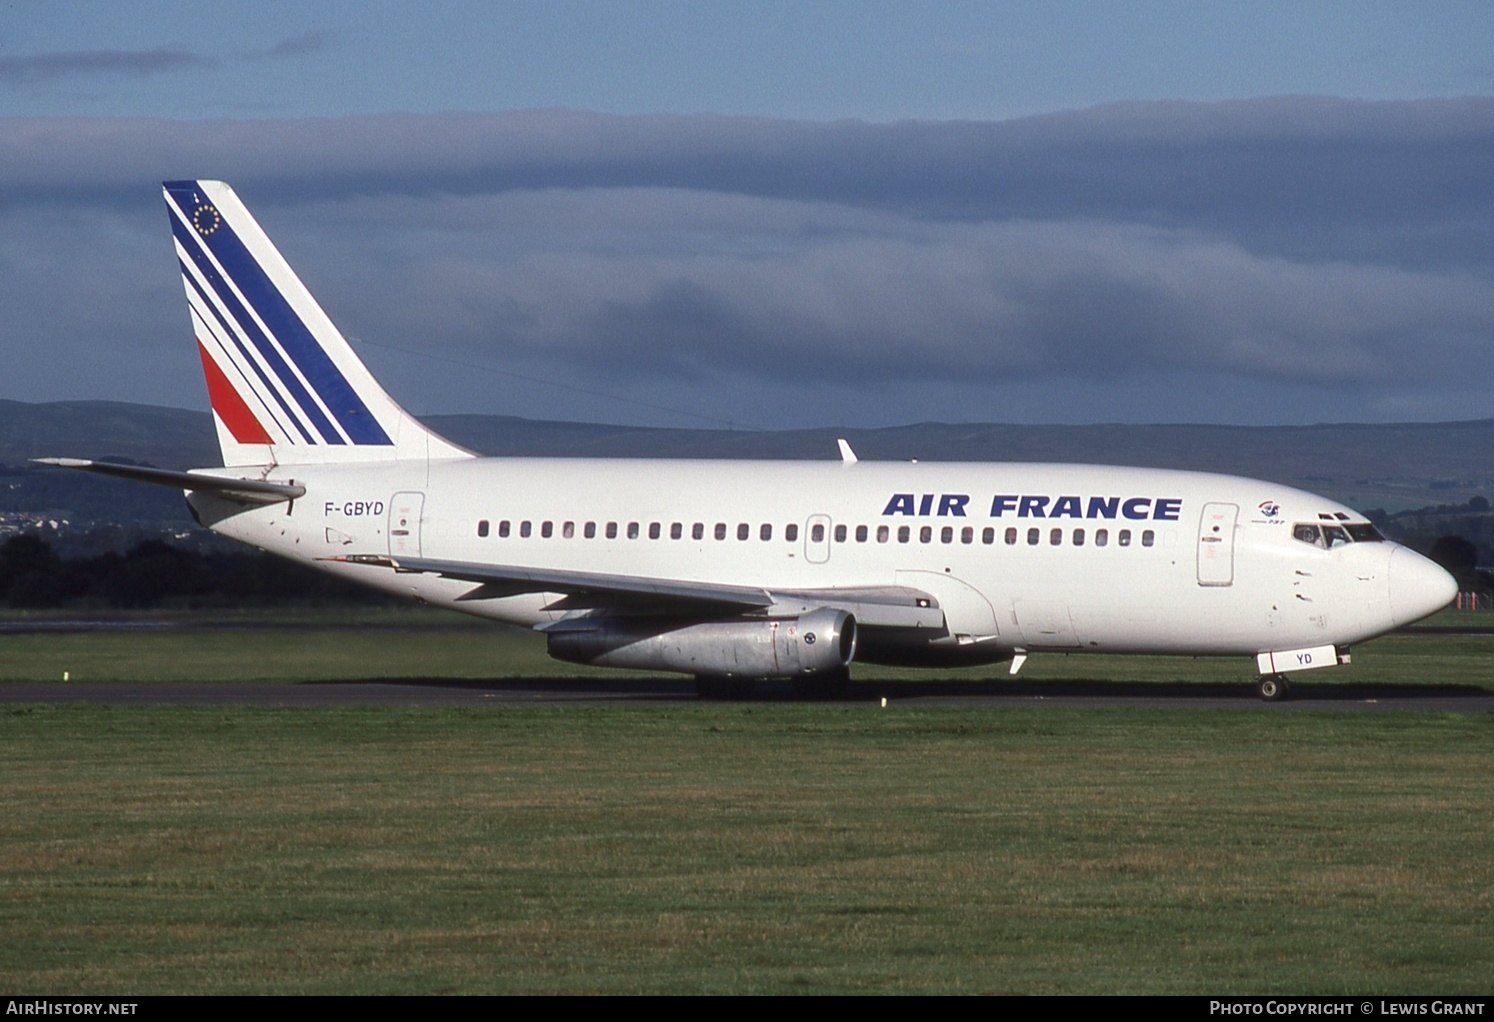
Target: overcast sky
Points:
(779, 214)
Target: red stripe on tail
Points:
(229, 405)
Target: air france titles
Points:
(1030, 505)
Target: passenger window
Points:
(743, 530)
(568, 530)
(903, 532)
(676, 530)
(946, 534)
(720, 530)
(840, 534)
(632, 530)
(611, 530)
(524, 530)
(653, 530)
(482, 528)
(861, 534)
(1055, 537)
(697, 531)
(967, 535)
(988, 535)
(1011, 537)
(791, 533)
(1033, 536)
(1102, 537)
(883, 533)
(926, 534)
(1078, 537)
(546, 529)
(590, 532)
(817, 533)
(765, 532)
(503, 529)
(1123, 538)
(1148, 537)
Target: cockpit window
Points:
(1335, 536)
(1307, 534)
(1331, 536)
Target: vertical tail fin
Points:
(285, 385)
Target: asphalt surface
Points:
(447, 692)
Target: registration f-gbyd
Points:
(733, 571)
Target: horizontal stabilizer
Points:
(244, 491)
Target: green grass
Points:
(758, 848)
(764, 847)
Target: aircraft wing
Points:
(507, 580)
(872, 606)
(244, 491)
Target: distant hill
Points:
(1392, 466)
(168, 437)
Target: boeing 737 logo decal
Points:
(952, 505)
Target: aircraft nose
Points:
(1418, 587)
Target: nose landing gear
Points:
(1274, 688)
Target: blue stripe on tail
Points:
(298, 343)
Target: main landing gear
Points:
(818, 687)
(823, 686)
(1274, 688)
(722, 687)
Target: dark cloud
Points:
(1308, 177)
(44, 67)
(957, 301)
(301, 45)
(1302, 254)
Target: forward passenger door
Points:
(1216, 544)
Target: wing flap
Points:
(872, 606)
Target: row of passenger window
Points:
(817, 530)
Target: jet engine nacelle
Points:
(822, 640)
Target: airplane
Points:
(739, 571)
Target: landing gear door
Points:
(1216, 544)
(404, 524)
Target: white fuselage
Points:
(1020, 556)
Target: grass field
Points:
(765, 847)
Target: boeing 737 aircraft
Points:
(733, 571)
